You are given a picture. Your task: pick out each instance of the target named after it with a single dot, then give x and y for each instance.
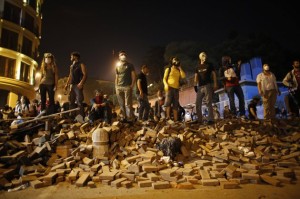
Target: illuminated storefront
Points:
(20, 34)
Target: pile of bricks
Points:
(227, 154)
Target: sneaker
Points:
(192, 122)
(290, 116)
(79, 119)
(243, 117)
(210, 122)
(43, 112)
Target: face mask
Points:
(123, 58)
(47, 60)
(266, 67)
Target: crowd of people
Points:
(167, 105)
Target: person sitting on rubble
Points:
(216, 112)
(252, 108)
(7, 112)
(159, 111)
(33, 109)
(22, 106)
(101, 107)
(107, 109)
(227, 113)
(96, 111)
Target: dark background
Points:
(98, 28)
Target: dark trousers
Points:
(44, 89)
(144, 107)
(238, 91)
(76, 99)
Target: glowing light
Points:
(118, 63)
(38, 75)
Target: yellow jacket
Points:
(174, 77)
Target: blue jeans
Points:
(204, 96)
(240, 95)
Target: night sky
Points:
(97, 27)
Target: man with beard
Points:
(75, 83)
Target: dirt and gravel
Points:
(64, 190)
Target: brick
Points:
(184, 151)
(95, 167)
(91, 184)
(270, 180)
(229, 185)
(134, 168)
(146, 183)
(185, 185)
(126, 184)
(28, 178)
(149, 168)
(161, 185)
(82, 180)
(108, 175)
(60, 179)
(36, 184)
(117, 182)
(204, 174)
(283, 179)
(87, 161)
(129, 176)
(187, 172)
(50, 177)
(210, 182)
(106, 182)
(63, 151)
(152, 177)
(59, 166)
(250, 176)
(73, 175)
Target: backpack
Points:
(182, 81)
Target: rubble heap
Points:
(228, 153)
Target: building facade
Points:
(20, 34)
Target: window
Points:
(7, 67)
(11, 13)
(27, 47)
(28, 22)
(24, 72)
(9, 39)
(32, 3)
